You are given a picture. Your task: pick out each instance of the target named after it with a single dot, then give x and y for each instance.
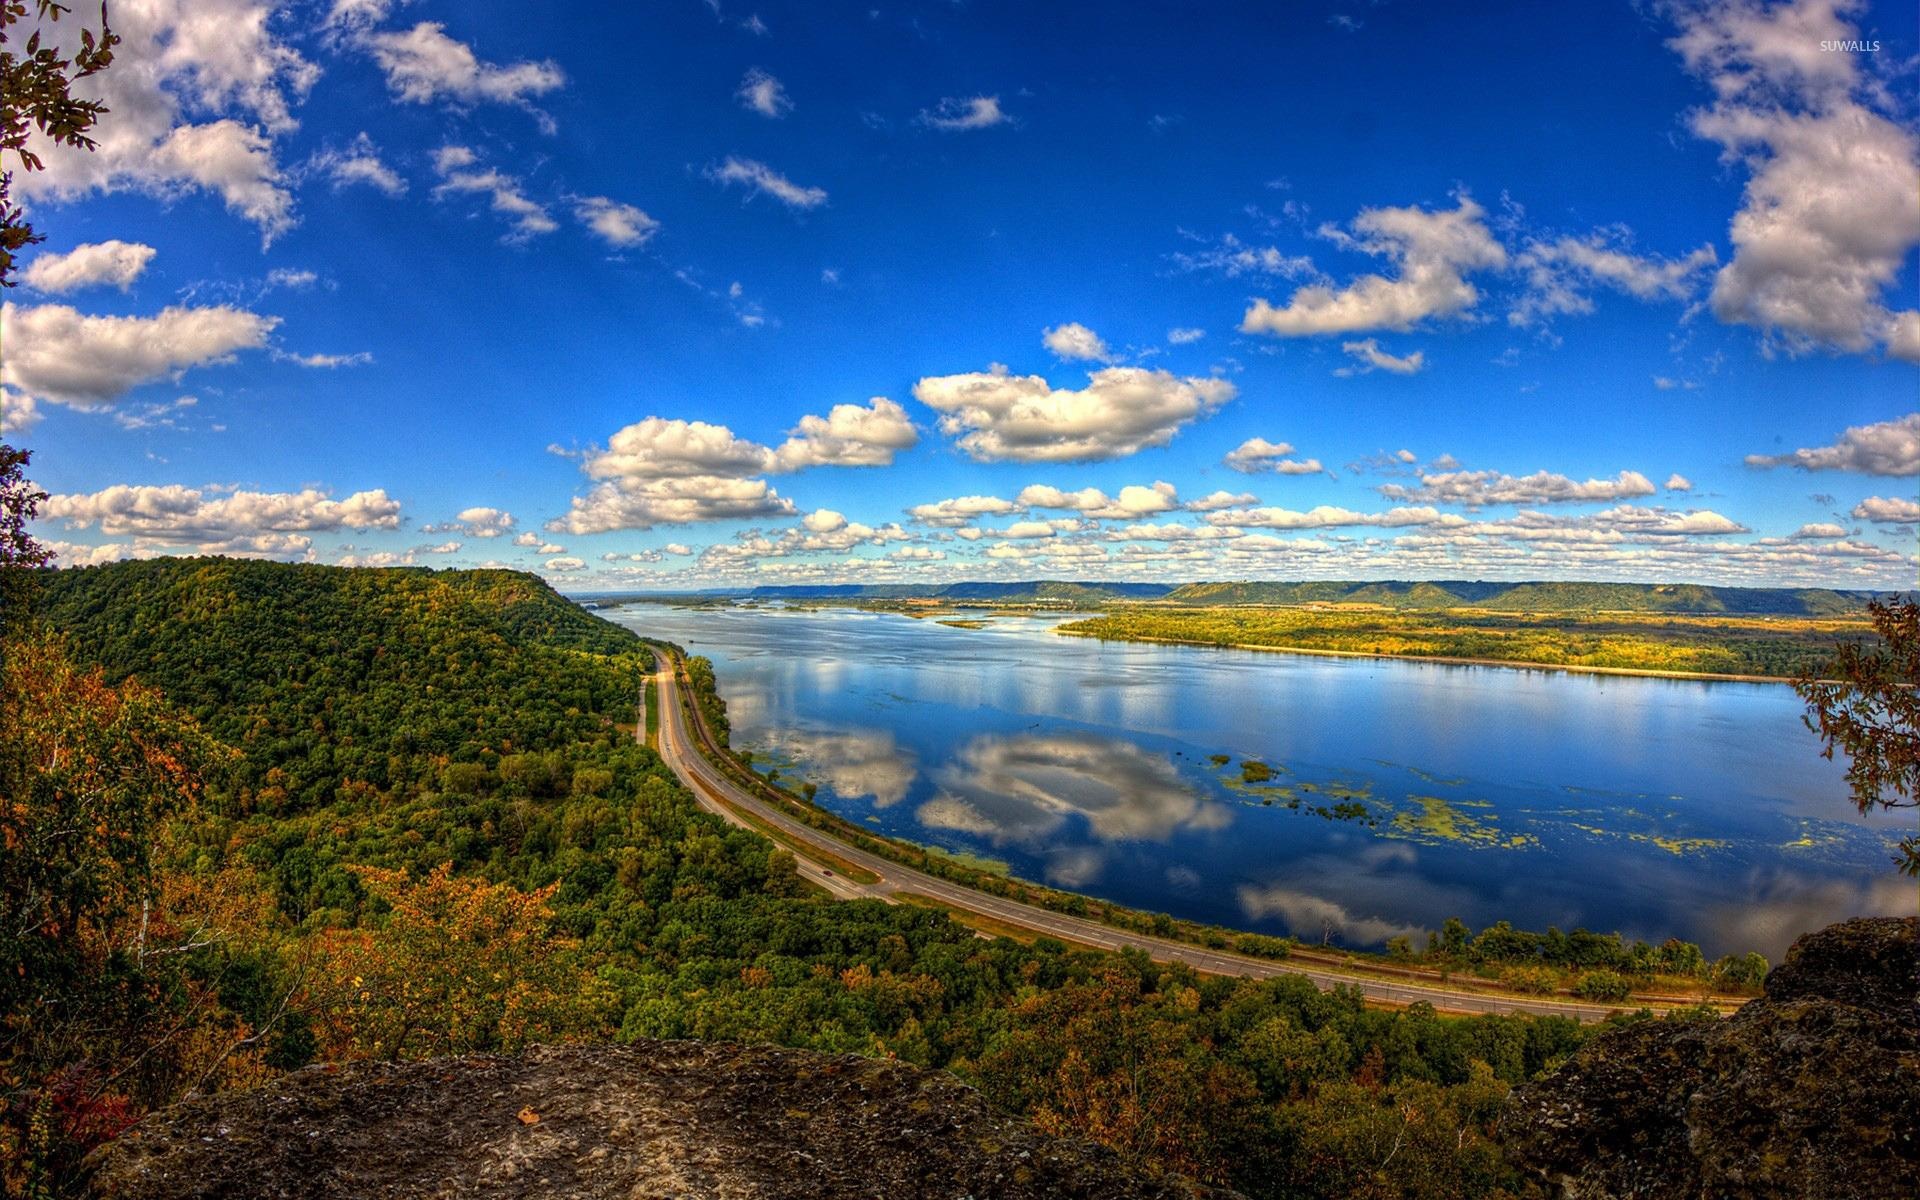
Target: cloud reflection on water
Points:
(1780, 905)
(1309, 917)
(1377, 877)
(1024, 788)
(853, 763)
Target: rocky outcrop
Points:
(1809, 1093)
(648, 1121)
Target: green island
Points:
(1632, 628)
(336, 806)
(1770, 646)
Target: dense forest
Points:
(398, 813)
(1774, 646)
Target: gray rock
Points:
(1810, 1093)
(648, 1121)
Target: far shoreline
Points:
(1443, 659)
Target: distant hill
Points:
(1044, 589)
(1538, 597)
(1534, 597)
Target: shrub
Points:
(1534, 981)
(1259, 945)
(1602, 985)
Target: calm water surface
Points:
(1401, 794)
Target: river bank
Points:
(1444, 659)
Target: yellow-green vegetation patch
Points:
(1440, 820)
(964, 623)
(1673, 845)
(1259, 791)
(1430, 777)
(1809, 840)
(1254, 778)
(1268, 796)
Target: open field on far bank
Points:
(1760, 647)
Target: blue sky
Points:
(686, 296)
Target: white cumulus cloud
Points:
(961, 510)
(1830, 213)
(1256, 455)
(1369, 357)
(173, 516)
(1562, 273)
(995, 415)
(1476, 489)
(1328, 516)
(681, 500)
(479, 522)
(618, 225)
(94, 264)
(58, 354)
(1131, 503)
(667, 471)
(1075, 342)
(461, 174)
(761, 180)
(358, 164)
(423, 64)
(1433, 251)
(1888, 510)
(1886, 448)
(850, 435)
(199, 93)
(762, 93)
(956, 115)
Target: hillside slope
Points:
(334, 675)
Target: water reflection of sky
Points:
(1655, 807)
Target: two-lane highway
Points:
(722, 796)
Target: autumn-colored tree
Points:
(458, 965)
(20, 554)
(1865, 703)
(1412, 1140)
(125, 982)
(89, 773)
(1103, 1060)
(36, 96)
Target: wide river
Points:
(1401, 793)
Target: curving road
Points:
(726, 799)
